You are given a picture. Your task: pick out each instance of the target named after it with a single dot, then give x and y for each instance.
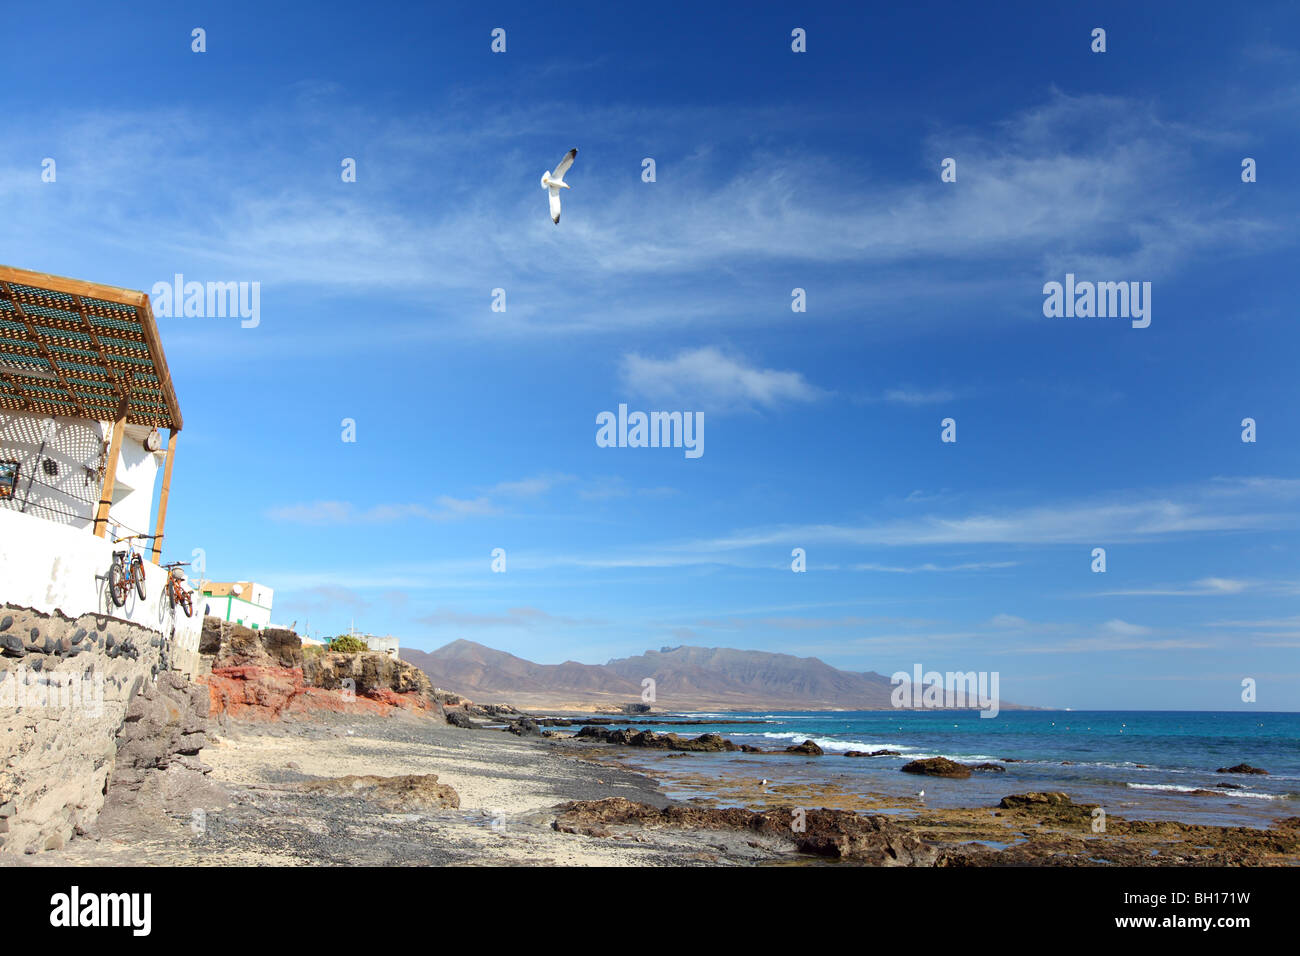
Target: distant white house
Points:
(386, 644)
(240, 602)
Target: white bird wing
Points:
(565, 163)
(555, 204)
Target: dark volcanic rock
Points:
(1054, 806)
(807, 747)
(527, 727)
(874, 753)
(630, 737)
(705, 742)
(458, 718)
(838, 834)
(992, 767)
(157, 768)
(167, 720)
(937, 767)
(1035, 799)
(1242, 768)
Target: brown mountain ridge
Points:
(686, 679)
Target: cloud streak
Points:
(707, 379)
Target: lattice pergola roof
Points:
(77, 349)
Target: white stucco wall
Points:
(74, 446)
(51, 567)
(390, 645)
(230, 608)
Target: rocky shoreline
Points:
(330, 759)
(412, 789)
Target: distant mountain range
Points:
(686, 678)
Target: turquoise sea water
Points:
(1139, 764)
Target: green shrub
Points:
(347, 644)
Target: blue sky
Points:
(775, 170)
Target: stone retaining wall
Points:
(67, 688)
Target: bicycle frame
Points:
(127, 572)
(180, 596)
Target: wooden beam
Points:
(71, 287)
(110, 471)
(17, 386)
(149, 329)
(162, 500)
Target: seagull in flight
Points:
(554, 182)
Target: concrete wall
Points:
(65, 688)
(75, 448)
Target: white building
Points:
(53, 469)
(84, 390)
(388, 644)
(240, 602)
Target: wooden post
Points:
(172, 435)
(110, 471)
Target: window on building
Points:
(8, 478)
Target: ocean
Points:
(1138, 764)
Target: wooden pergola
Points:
(79, 349)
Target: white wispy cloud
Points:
(914, 396)
(1067, 184)
(1136, 515)
(446, 508)
(708, 379)
(528, 487)
(615, 486)
(914, 569)
(1205, 587)
(1114, 635)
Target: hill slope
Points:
(686, 678)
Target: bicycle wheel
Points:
(138, 573)
(118, 585)
(187, 602)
